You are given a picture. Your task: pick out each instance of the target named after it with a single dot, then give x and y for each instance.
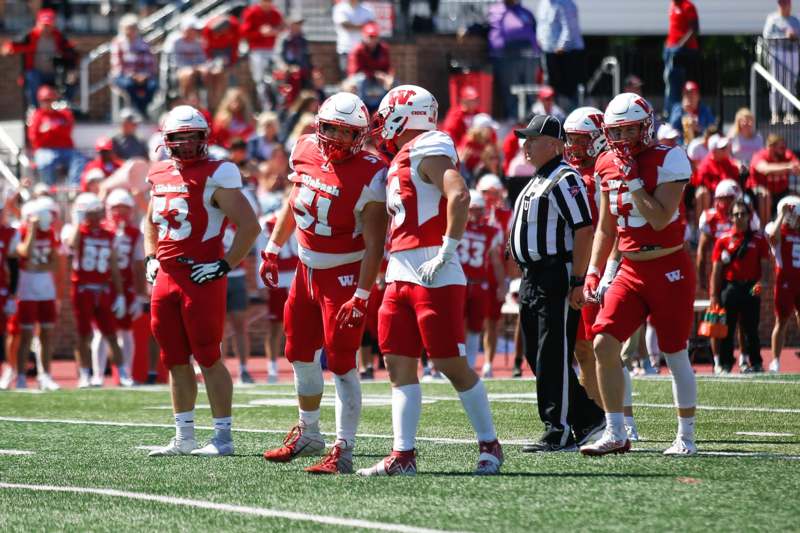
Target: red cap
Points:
(546, 92)
(469, 92)
(691, 86)
(45, 17)
(370, 29)
(103, 144)
(46, 92)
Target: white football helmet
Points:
(120, 197)
(489, 182)
(588, 122)
(476, 200)
(86, 202)
(42, 210)
(624, 110)
(342, 110)
(180, 120)
(793, 216)
(406, 107)
(728, 188)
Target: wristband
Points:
(272, 248)
(449, 245)
(635, 184)
(593, 271)
(362, 294)
(576, 281)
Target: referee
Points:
(551, 239)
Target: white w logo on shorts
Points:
(674, 276)
(347, 281)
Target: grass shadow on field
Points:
(551, 474)
(734, 441)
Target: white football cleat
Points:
(682, 447)
(84, 382)
(606, 445)
(46, 383)
(633, 433)
(774, 366)
(175, 447)
(22, 382)
(125, 381)
(214, 448)
(6, 377)
(486, 371)
(97, 381)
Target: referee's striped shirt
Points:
(547, 212)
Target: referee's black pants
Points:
(549, 326)
(740, 307)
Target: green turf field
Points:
(739, 482)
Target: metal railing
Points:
(774, 77)
(608, 66)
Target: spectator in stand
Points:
(782, 30)
(667, 135)
(562, 43)
(370, 66)
(306, 102)
(127, 144)
(237, 154)
(490, 163)
(632, 84)
(691, 113)
(46, 51)
(697, 148)
(745, 140)
(770, 169)
(482, 133)
(50, 138)
(511, 144)
(305, 124)
(234, 118)
(718, 165)
(349, 18)
(513, 50)
(221, 34)
(294, 56)
(680, 50)
(272, 180)
(133, 67)
(104, 164)
(546, 104)
(261, 24)
(186, 56)
(261, 145)
(739, 265)
(459, 116)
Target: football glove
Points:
(353, 311)
(605, 282)
(268, 270)
(151, 266)
(427, 271)
(136, 306)
(590, 286)
(118, 307)
(204, 272)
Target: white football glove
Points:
(118, 307)
(427, 272)
(135, 308)
(203, 272)
(11, 307)
(151, 266)
(605, 282)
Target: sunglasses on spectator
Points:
(740, 213)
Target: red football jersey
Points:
(8, 241)
(473, 250)
(327, 200)
(189, 224)
(590, 181)
(418, 208)
(787, 257)
(657, 165)
(44, 243)
(287, 257)
(747, 267)
(91, 262)
(129, 246)
(500, 216)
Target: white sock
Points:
(628, 399)
(36, 348)
(476, 404)
(184, 425)
(473, 344)
(127, 345)
(686, 427)
(242, 368)
(615, 423)
(629, 421)
(348, 407)
(222, 428)
(272, 368)
(406, 410)
(99, 354)
(310, 419)
(716, 360)
(85, 372)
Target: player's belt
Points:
(94, 287)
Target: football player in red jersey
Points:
(36, 293)
(498, 214)
(784, 239)
(478, 250)
(337, 207)
(423, 306)
(94, 271)
(640, 206)
(192, 197)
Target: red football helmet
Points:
(341, 113)
(185, 133)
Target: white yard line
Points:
(224, 507)
(764, 434)
(15, 452)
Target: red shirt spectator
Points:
(45, 23)
(775, 181)
(51, 128)
(459, 116)
(106, 163)
(261, 24)
(510, 149)
(370, 55)
(682, 19)
(747, 265)
(715, 168)
(221, 35)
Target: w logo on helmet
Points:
(400, 97)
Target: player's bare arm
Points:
(605, 237)
(284, 224)
(238, 210)
(24, 247)
(659, 208)
(150, 233)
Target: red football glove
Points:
(590, 285)
(269, 269)
(756, 290)
(352, 313)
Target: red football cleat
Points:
(395, 464)
(298, 442)
(490, 459)
(337, 461)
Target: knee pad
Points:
(684, 384)
(308, 377)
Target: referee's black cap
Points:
(542, 125)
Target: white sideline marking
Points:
(763, 434)
(765, 455)
(15, 452)
(225, 507)
(725, 408)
